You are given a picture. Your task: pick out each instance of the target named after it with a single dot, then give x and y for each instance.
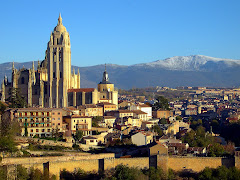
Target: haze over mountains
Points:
(195, 70)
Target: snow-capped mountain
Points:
(194, 70)
(192, 63)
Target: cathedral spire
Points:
(33, 65)
(59, 19)
(105, 78)
(33, 74)
(12, 65)
(38, 64)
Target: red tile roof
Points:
(105, 103)
(139, 112)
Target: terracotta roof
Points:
(109, 117)
(106, 103)
(177, 144)
(124, 111)
(81, 90)
(36, 109)
(143, 105)
(72, 108)
(139, 112)
(88, 106)
(78, 116)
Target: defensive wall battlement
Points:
(100, 162)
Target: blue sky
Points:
(121, 31)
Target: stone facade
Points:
(54, 84)
(107, 161)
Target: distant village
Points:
(142, 126)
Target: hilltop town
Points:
(49, 122)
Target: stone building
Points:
(54, 84)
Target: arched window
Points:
(22, 80)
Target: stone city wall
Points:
(100, 162)
(198, 163)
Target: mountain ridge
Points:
(194, 70)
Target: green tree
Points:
(215, 126)
(96, 120)
(163, 121)
(179, 118)
(234, 173)
(198, 138)
(78, 136)
(154, 173)
(206, 174)
(25, 129)
(3, 172)
(221, 173)
(16, 99)
(162, 103)
(8, 130)
(216, 149)
(22, 173)
(123, 172)
(158, 130)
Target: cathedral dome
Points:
(60, 27)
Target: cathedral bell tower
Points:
(59, 67)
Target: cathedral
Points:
(54, 84)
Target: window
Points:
(31, 130)
(36, 125)
(58, 118)
(43, 130)
(25, 113)
(36, 91)
(22, 80)
(53, 113)
(36, 130)
(53, 74)
(59, 113)
(53, 119)
(53, 124)
(48, 130)
(59, 124)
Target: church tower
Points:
(106, 89)
(59, 67)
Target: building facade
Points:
(55, 84)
